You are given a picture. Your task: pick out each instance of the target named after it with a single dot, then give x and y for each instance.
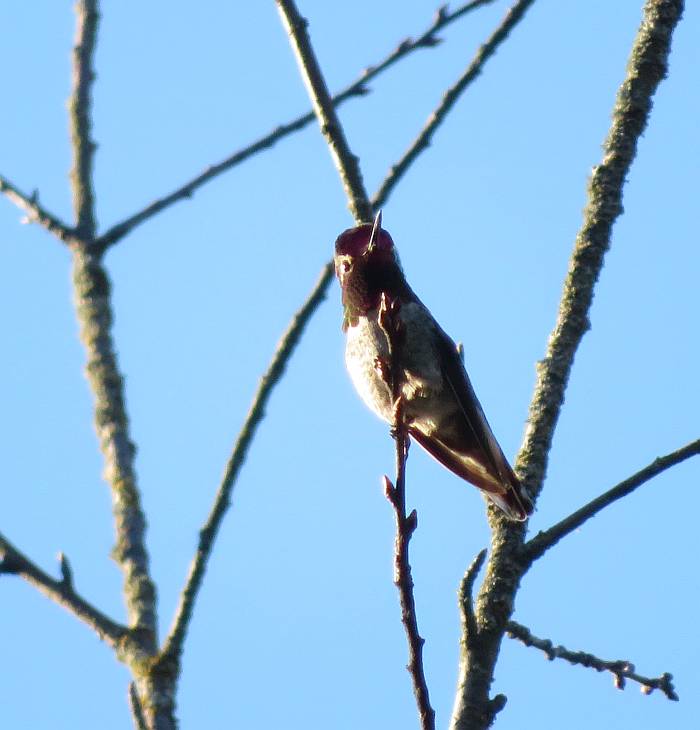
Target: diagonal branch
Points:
(397, 171)
(646, 68)
(13, 562)
(346, 162)
(621, 669)
(427, 39)
(539, 544)
(36, 213)
(172, 647)
(94, 312)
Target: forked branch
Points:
(428, 39)
(92, 291)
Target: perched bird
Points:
(440, 410)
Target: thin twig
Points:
(466, 601)
(397, 171)
(93, 308)
(539, 544)
(346, 162)
(79, 109)
(621, 669)
(36, 213)
(469, 644)
(428, 39)
(646, 68)
(13, 562)
(173, 644)
(136, 709)
(66, 572)
(405, 525)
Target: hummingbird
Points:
(440, 410)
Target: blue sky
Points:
(298, 622)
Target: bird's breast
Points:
(366, 347)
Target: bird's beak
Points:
(376, 227)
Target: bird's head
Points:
(366, 264)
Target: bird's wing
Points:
(466, 445)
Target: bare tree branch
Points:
(346, 162)
(403, 580)
(136, 709)
(474, 710)
(621, 669)
(173, 644)
(397, 171)
(66, 571)
(172, 647)
(92, 291)
(538, 545)
(469, 641)
(13, 562)
(121, 229)
(428, 39)
(79, 104)
(36, 213)
(647, 66)
(405, 525)
(466, 602)
(93, 309)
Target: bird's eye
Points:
(346, 266)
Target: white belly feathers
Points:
(366, 344)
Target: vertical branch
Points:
(646, 68)
(347, 164)
(405, 525)
(92, 292)
(94, 313)
(92, 299)
(79, 106)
